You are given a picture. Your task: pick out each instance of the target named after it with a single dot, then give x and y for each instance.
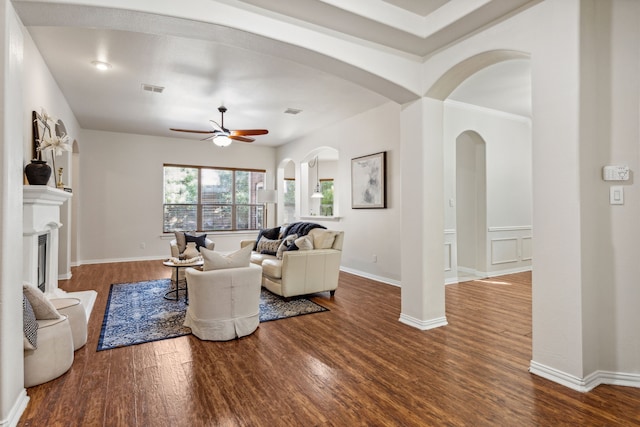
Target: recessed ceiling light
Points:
(292, 111)
(100, 65)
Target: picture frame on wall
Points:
(369, 181)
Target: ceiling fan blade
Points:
(192, 131)
(216, 126)
(240, 132)
(241, 138)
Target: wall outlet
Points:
(143, 245)
(374, 258)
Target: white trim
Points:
(17, 410)
(110, 260)
(510, 228)
(423, 325)
(465, 106)
(504, 261)
(366, 275)
(65, 276)
(587, 383)
(450, 231)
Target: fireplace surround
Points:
(41, 225)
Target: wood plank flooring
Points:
(355, 365)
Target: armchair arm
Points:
(175, 252)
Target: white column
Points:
(422, 267)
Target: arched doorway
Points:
(471, 208)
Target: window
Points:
(326, 203)
(289, 200)
(211, 199)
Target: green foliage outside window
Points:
(210, 199)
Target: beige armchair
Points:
(223, 304)
(302, 272)
(175, 253)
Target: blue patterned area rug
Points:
(138, 312)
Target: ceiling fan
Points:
(222, 136)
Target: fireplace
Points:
(42, 262)
(40, 245)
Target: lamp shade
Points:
(267, 196)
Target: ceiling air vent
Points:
(292, 111)
(152, 88)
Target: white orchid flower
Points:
(56, 144)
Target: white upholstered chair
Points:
(223, 304)
(52, 355)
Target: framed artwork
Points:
(369, 181)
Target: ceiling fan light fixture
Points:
(222, 140)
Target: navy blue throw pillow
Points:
(199, 240)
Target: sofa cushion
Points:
(181, 241)
(323, 239)
(42, 307)
(30, 325)
(272, 268)
(268, 246)
(304, 243)
(258, 258)
(217, 261)
(285, 245)
(269, 233)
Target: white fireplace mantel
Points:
(41, 216)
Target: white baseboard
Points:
(371, 276)
(423, 325)
(16, 410)
(111, 260)
(589, 382)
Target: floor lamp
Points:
(266, 196)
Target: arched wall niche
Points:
(287, 185)
(318, 165)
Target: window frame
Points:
(200, 207)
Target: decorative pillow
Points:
(286, 243)
(181, 241)
(322, 239)
(42, 307)
(304, 243)
(200, 240)
(30, 325)
(268, 246)
(218, 261)
(269, 233)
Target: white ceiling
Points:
(242, 72)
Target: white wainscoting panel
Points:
(527, 248)
(504, 250)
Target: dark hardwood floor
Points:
(355, 365)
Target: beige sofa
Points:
(301, 272)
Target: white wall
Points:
(508, 184)
(13, 397)
(42, 91)
(368, 232)
(121, 185)
(586, 104)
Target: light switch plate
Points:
(616, 195)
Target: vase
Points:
(190, 251)
(38, 172)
